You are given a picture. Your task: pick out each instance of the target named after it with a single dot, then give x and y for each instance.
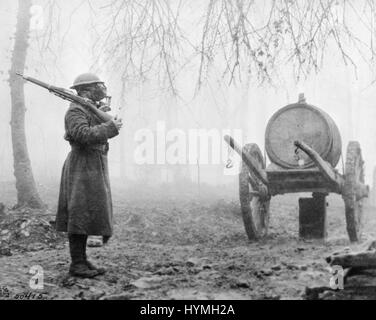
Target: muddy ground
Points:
(171, 243)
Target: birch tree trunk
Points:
(27, 194)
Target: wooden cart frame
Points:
(257, 184)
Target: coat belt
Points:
(99, 147)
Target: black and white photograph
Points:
(187, 155)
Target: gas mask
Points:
(98, 92)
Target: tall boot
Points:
(88, 263)
(78, 267)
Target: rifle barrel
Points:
(35, 81)
(65, 94)
(38, 82)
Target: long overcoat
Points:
(85, 204)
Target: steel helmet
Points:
(86, 78)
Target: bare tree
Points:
(27, 194)
(259, 38)
(149, 37)
(141, 39)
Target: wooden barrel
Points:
(307, 123)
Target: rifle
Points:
(70, 96)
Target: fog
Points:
(71, 47)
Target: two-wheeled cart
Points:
(304, 146)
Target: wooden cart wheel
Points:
(354, 174)
(255, 211)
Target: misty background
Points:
(73, 37)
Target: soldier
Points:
(85, 204)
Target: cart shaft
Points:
(326, 169)
(361, 190)
(247, 159)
